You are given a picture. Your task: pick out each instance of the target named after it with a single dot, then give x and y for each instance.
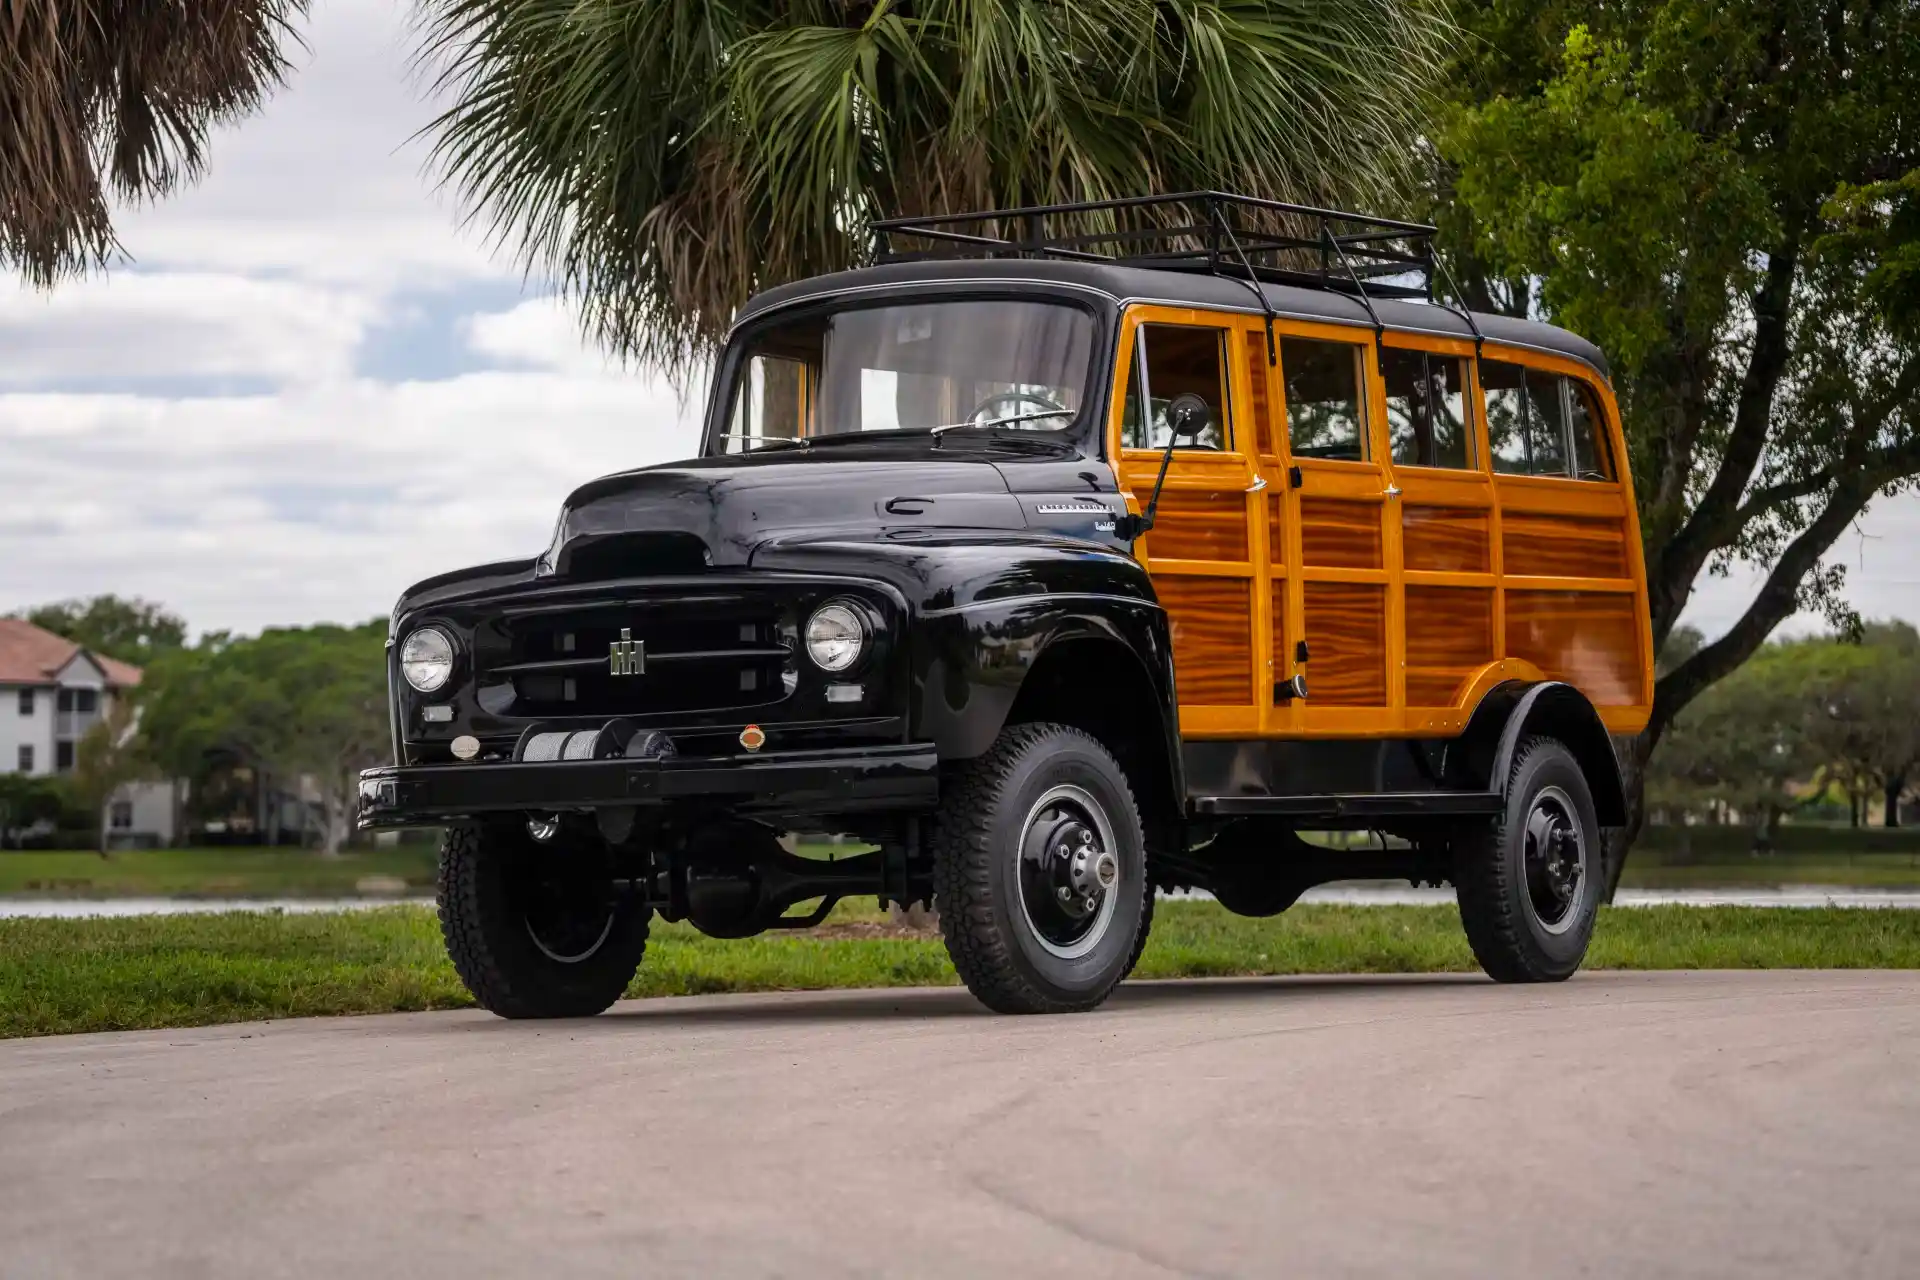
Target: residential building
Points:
(51, 692)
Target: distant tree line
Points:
(303, 706)
(1804, 724)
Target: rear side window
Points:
(1427, 409)
(1323, 384)
(1542, 424)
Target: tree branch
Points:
(1777, 599)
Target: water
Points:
(1363, 895)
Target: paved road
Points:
(1622, 1124)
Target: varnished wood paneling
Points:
(1449, 637)
(1257, 379)
(1535, 545)
(1589, 639)
(1283, 665)
(1276, 530)
(1446, 539)
(1346, 627)
(1339, 534)
(1212, 622)
(1199, 524)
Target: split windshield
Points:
(934, 364)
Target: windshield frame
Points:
(1085, 425)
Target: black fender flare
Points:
(1482, 757)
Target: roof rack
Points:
(1218, 232)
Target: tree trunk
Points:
(1895, 785)
(1633, 754)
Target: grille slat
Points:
(721, 652)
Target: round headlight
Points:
(836, 636)
(426, 659)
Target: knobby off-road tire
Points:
(1523, 920)
(998, 871)
(536, 931)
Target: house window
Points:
(86, 701)
(26, 758)
(62, 757)
(121, 816)
(63, 700)
(26, 702)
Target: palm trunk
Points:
(1895, 786)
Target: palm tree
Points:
(663, 160)
(103, 98)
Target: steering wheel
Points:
(985, 411)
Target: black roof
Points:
(1120, 283)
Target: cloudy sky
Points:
(311, 387)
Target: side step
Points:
(1379, 804)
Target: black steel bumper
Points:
(791, 782)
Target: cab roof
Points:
(1121, 283)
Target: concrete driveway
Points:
(1708, 1124)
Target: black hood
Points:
(716, 511)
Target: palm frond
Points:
(118, 97)
(662, 160)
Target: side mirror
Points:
(1187, 416)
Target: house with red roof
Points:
(51, 692)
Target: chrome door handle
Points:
(1259, 483)
(1393, 491)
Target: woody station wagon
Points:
(1063, 557)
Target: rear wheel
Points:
(537, 930)
(1528, 881)
(1040, 871)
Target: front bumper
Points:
(774, 783)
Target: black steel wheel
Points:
(1528, 881)
(1040, 871)
(537, 930)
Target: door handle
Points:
(1259, 483)
(1393, 491)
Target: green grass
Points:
(158, 971)
(302, 873)
(211, 873)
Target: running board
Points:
(1389, 804)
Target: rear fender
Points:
(1482, 757)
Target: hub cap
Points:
(569, 910)
(1555, 860)
(1069, 873)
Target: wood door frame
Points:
(1209, 471)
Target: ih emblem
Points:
(627, 656)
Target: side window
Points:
(1542, 424)
(771, 404)
(1427, 409)
(1170, 360)
(25, 757)
(1590, 459)
(26, 702)
(1323, 389)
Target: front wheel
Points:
(537, 930)
(1527, 882)
(1040, 871)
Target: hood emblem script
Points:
(627, 656)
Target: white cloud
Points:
(181, 325)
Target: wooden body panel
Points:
(1415, 589)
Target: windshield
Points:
(933, 364)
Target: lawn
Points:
(217, 873)
(185, 970)
(302, 873)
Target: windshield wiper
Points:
(800, 441)
(1004, 422)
